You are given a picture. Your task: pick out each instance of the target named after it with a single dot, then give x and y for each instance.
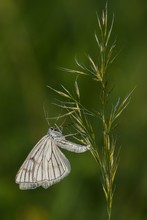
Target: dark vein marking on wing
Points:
(31, 157)
(56, 154)
(35, 161)
(41, 162)
(57, 158)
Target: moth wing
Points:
(25, 176)
(44, 166)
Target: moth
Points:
(46, 164)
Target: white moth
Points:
(46, 164)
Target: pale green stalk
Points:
(107, 155)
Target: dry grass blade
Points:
(97, 40)
(60, 92)
(77, 89)
(73, 71)
(110, 31)
(106, 154)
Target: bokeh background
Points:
(35, 38)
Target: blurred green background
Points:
(35, 38)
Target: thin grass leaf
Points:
(68, 103)
(103, 18)
(67, 91)
(116, 55)
(95, 69)
(62, 116)
(93, 64)
(73, 71)
(105, 192)
(97, 40)
(110, 31)
(110, 52)
(59, 92)
(100, 26)
(78, 64)
(106, 21)
(114, 109)
(123, 104)
(77, 89)
(89, 70)
(66, 107)
(96, 155)
(121, 109)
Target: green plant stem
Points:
(106, 160)
(106, 156)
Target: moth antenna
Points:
(58, 128)
(46, 115)
(61, 126)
